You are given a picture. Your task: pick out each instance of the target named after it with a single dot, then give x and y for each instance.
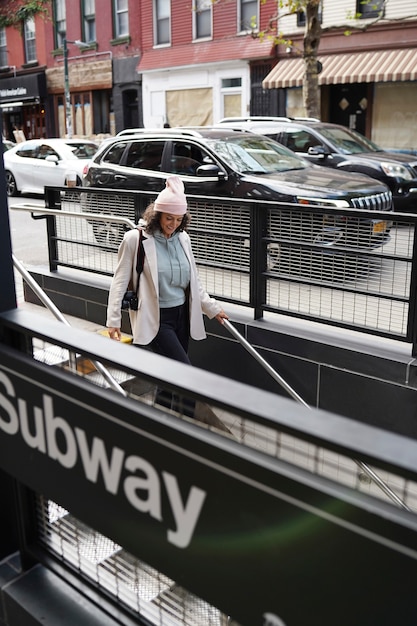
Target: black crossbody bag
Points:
(130, 298)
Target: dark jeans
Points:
(174, 333)
(172, 341)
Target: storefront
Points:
(196, 96)
(22, 103)
(373, 92)
(90, 81)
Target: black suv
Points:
(339, 147)
(224, 163)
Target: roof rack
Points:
(264, 118)
(158, 131)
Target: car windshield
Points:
(83, 150)
(256, 155)
(349, 141)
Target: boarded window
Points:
(190, 107)
(394, 120)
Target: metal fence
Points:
(351, 268)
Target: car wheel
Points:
(11, 186)
(108, 233)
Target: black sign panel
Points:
(264, 542)
(26, 87)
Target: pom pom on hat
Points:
(172, 199)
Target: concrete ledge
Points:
(39, 597)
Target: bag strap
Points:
(140, 258)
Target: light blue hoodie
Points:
(173, 270)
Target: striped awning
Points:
(360, 67)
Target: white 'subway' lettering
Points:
(132, 475)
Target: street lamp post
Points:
(68, 116)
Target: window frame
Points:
(89, 21)
(60, 22)
(369, 9)
(29, 37)
(159, 20)
(202, 12)
(117, 13)
(242, 28)
(302, 17)
(4, 57)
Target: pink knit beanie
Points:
(172, 199)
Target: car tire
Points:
(11, 186)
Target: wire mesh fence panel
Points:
(354, 272)
(220, 235)
(132, 582)
(92, 244)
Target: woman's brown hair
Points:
(152, 220)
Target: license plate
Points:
(379, 227)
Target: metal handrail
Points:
(45, 299)
(277, 377)
(32, 208)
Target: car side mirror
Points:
(52, 158)
(211, 170)
(319, 151)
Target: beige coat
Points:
(145, 321)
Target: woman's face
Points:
(169, 223)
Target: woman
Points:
(171, 297)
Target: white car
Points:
(32, 164)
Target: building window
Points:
(202, 19)
(3, 48)
(30, 42)
(248, 15)
(369, 8)
(162, 21)
(231, 97)
(301, 18)
(89, 16)
(121, 18)
(60, 23)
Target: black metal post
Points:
(412, 309)
(258, 259)
(8, 288)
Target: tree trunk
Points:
(311, 91)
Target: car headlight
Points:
(341, 204)
(396, 170)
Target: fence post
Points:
(258, 258)
(52, 201)
(412, 308)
